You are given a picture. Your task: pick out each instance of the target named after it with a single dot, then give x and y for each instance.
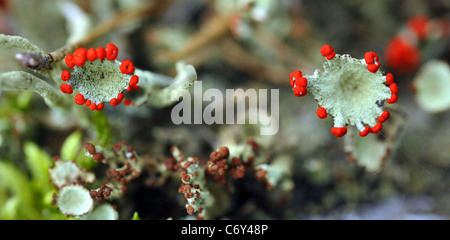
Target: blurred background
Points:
(401, 173)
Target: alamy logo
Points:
(221, 109)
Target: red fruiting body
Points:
(401, 55)
(364, 132)
(120, 96)
(300, 91)
(79, 57)
(65, 75)
(302, 82)
(389, 79)
(111, 51)
(100, 106)
(79, 99)
(101, 53)
(299, 83)
(66, 88)
(373, 67)
(69, 60)
(127, 67)
(394, 88)
(384, 116)
(322, 113)
(393, 99)
(114, 102)
(339, 131)
(136, 87)
(127, 102)
(91, 54)
(294, 76)
(93, 106)
(419, 25)
(376, 128)
(87, 103)
(327, 51)
(133, 81)
(371, 59)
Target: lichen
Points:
(74, 200)
(352, 91)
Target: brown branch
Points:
(214, 38)
(118, 20)
(211, 32)
(245, 61)
(285, 53)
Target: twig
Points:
(247, 62)
(214, 30)
(118, 20)
(284, 52)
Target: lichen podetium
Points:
(351, 90)
(98, 76)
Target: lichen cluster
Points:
(119, 109)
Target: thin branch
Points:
(289, 56)
(211, 32)
(216, 34)
(117, 21)
(245, 61)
